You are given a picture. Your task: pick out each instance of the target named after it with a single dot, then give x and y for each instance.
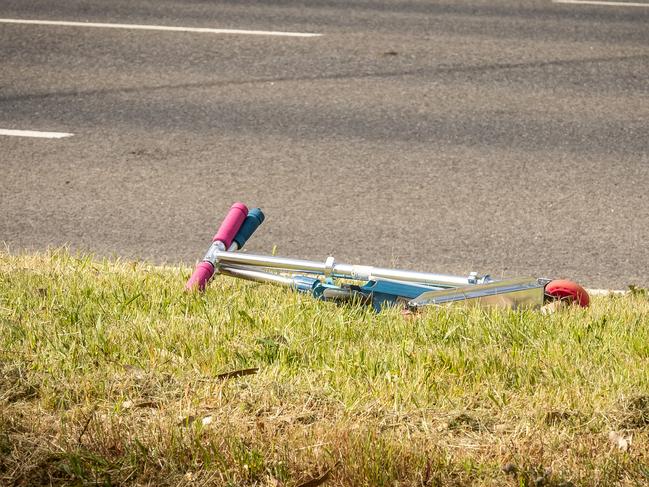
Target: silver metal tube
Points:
(357, 272)
(270, 261)
(256, 276)
(421, 277)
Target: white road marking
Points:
(602, 2)
(35, 133)
(200, 30)
(605, 292)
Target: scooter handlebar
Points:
(251, 223)
(225, 234)
(231, 224)
(203, 272)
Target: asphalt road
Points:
(509, 137)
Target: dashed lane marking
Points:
(34, 133)
(606, 292)
(603, 3)
(199, 30)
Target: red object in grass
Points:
(571, 291)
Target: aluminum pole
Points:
(357, 272)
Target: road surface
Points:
(508, 137)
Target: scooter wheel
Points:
(563, 289)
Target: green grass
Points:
(111, 375)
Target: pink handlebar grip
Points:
(199, 278)
(231, 224)
(226, 233)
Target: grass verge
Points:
(110, 374)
